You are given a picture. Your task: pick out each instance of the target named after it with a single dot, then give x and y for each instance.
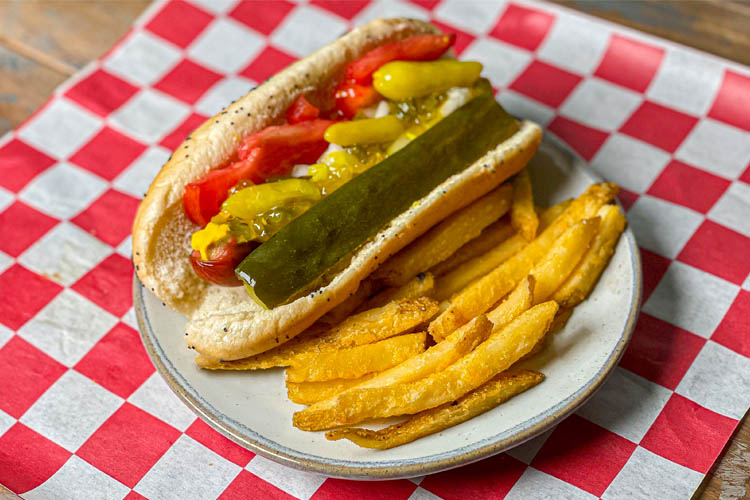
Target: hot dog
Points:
(207, 221)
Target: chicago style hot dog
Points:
(301, 189)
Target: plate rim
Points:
(401, 468)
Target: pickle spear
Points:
(292, 262)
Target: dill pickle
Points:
(296, 258)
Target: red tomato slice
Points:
(271, 152)
(219, 269)
(301, 110)
(351, 96)
(415, 48)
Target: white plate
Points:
(252, 409)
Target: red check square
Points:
(523, 27)
(188, 81)
(26, 373)
(339, 489)
(733, 330)
(547, 84)
(262, 15)
(719, 251)
(19, 163)
(246, 482)
(660, 126)
(427, 5)
(101, 92)
(586, 141)
(630, 63)
(179, 134)
(654, 267)
(118, 361)
(108, 153)
(463, 39)
(22, 225)
(109, 218)
(179, 22)
(688, 186)
(583, 454)
(28, 459)
(267, 63)
(29, 294)
(491, 479)
(344, 8)
(128, 444)
(204, 434)
(109, 284)
(688, 434)
(745, 177)
(733, 101)
(627, 198)
(134, 496)
(660, 351)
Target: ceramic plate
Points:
(251, 408)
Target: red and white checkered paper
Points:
(84, 415)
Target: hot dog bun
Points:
(224, 323)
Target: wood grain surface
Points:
(43, 42)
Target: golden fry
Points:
(443, 240)
(548, 215)
(498, 390)
(364, 328)
(523, 217)
(517, 301)
(486, 291)
(307, 393)
(355, 362)
(492, 236)
(422, 285)
(351, 304)
(491, 357)
(578, 286)
(468, 272)
(561, 319)
(550, 272)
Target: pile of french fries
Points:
(434, 333)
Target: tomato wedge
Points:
(219, 269)
(271, 152)
(351, 96)
(301, 111)
(415, 48)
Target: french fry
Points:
(422, 285)
(443, 240)
(307, 393)
(471, 270)
(517, 301)
(364, 328)
(548, 215)
(355, 362)
(486, 291)
(498, 390)
(492, 236)
(578, 286)
(554, 268)
(491, 357)
(351, 304)
(523, 217)
(561, 319)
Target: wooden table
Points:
(43, 42)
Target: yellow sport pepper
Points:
(401, 80)
(248, 203)
(366, 131)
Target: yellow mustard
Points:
(401, 80)
(203, 239)
(365, 131)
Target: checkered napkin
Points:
(84, 415)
